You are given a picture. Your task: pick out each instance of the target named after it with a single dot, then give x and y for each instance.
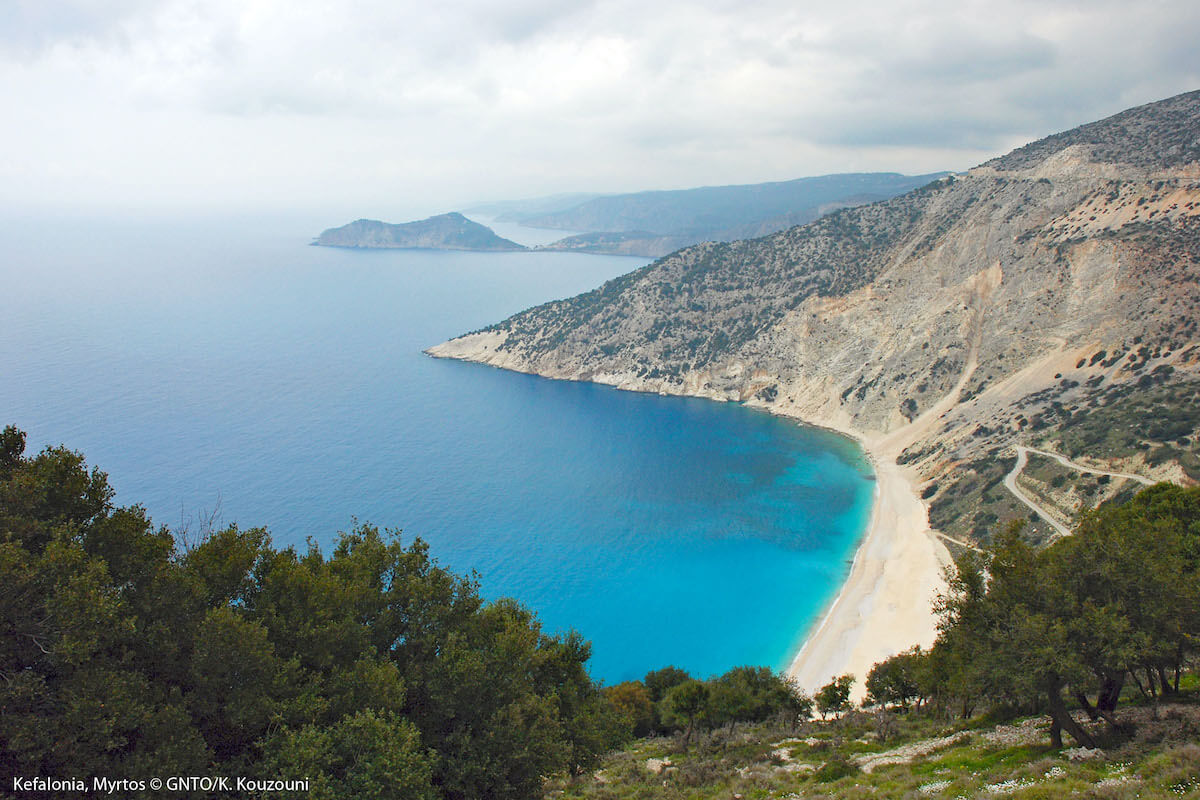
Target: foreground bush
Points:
(372, 672)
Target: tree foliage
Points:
(660, 681)
(1117, 602)
(632, 701)
(371, 671)
(834, 697)
(895, 681)
(741, 695)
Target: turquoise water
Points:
(224, 366)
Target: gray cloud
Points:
(304, 102)
(27, 27)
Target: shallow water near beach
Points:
(221, 367)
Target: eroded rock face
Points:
(997, 286)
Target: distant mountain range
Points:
(723, 213)
(640, 224)
(655, 223)
(514, 210)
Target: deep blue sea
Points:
(223, 365)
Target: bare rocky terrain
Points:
(1047, 298)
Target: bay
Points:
(222, 368)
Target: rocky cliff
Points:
(450, 231)
(1037, 298)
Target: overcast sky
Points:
(390, 108)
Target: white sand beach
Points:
(885, 606)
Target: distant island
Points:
(450, 231)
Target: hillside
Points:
(373, 672)
(620, 243)
(516, 210)
(712, 208)
(1045, 298)
(654, 245)
(450, 231)
(655, 223)
(882, 753)
(133, 651)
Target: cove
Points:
(222, 367)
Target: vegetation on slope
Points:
(1084, 245)
(1160, 422)
(907, 755)
(1160, 134)
(710, 210)
(373, 672)
(700, 304)
(1138, 425)
(1099, 633)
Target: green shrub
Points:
(836, 767)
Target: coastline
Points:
(885, 605)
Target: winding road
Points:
(1010, 481)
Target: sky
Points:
(392, 109)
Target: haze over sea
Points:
(223, 364)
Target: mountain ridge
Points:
(709, 208)
(610, 223)
(995, 289)
(657, 222)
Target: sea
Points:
(221, 371)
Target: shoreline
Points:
(885, 604)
